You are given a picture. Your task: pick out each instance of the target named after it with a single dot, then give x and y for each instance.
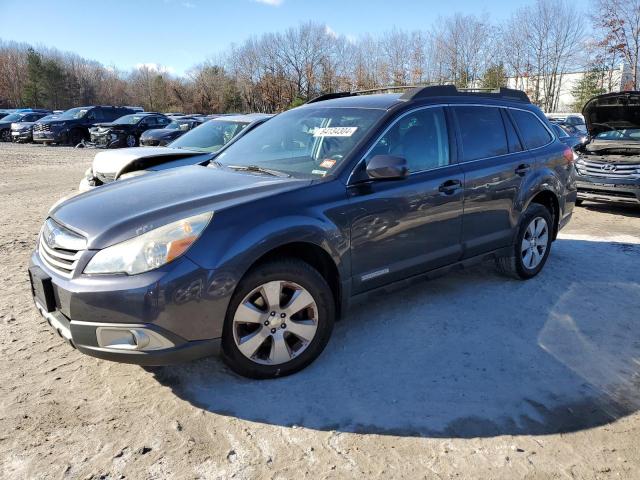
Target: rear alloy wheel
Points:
(131, 141)
(279, 320)
(532, 246)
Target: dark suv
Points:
(125, 131)
(609, 164)
(263, 248)
(72, 126)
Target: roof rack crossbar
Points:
(452, 91)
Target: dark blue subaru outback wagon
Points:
(262, 249)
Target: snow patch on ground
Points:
(469, 354)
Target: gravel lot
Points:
(468, 376)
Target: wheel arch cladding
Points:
(549, 200)
(312, 254)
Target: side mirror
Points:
(387, 167)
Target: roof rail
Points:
(452, 91)
(329, 96)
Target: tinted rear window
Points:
(482, 132)
(533, 132)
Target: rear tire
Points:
(265, 338)
(579, 202)
(532, 244)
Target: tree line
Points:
(535, 47)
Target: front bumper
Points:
(21, 135)
(107, 140)
(59, 136)
(156, 318)
(604, 189)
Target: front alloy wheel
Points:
(275, 323)
(279, 320)
(131, 141)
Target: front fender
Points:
(235, 252)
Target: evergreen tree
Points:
(588, 87)
(32, 94)
(495, 77)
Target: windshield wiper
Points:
(257, 169)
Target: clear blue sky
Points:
(181, 33)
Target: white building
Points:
(614, 81)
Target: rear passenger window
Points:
(420, 137)
(482, 132)
(534, 134)
(512, 136)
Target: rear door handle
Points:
(450, 186)
(523, 169)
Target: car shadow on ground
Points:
(471, 354)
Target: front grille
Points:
(56, 248)
(608, 169)
(105, 177)
(41, 127)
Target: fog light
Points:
(126, 338)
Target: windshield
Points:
(309, 141)
(210, 136)
(13, 117)
(627, 134)
(73, 113)
(128, 120)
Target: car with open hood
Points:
(161, 137)
(609, 164)
(198, 146)
(258, 253)
(126, 130)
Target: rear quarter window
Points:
(533, 132)
(482, 132)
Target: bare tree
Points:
(618, 22)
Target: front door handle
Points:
(523, 169)
(450, 186)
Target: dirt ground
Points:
(467, 376)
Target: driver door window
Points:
(420, 138)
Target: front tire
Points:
(131, 141)
(532, 245)
(75, 137)
(279, 320)
(5, 135)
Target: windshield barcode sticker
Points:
(334, 131)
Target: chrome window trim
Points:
(384, 132)
(442, 105)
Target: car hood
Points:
(119, 126)
(158, 133)
(124, 209)
(118, 161)
(612, 110)
(23, 124)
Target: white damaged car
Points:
(198, 146)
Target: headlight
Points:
(150, 250)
